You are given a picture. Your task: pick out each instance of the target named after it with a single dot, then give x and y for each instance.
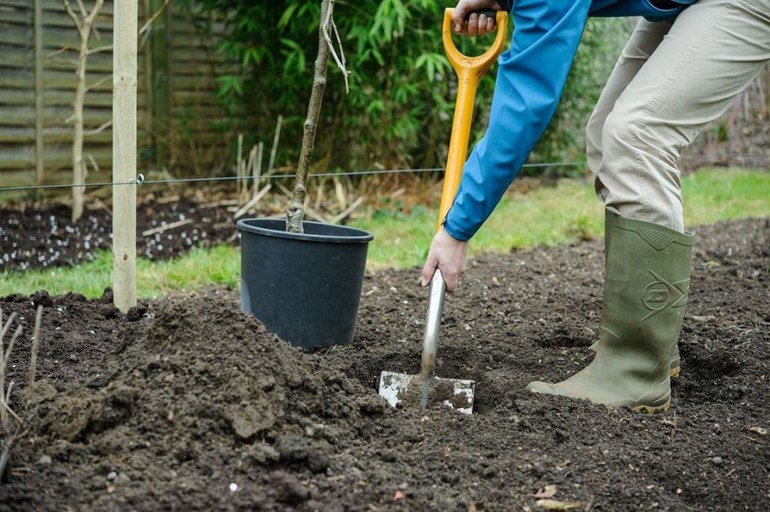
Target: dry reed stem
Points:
(33, 357)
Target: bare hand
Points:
(447, 254)
(477, 24)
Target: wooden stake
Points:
(124, 154)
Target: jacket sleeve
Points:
(530, 80)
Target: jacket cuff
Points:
(455, 231)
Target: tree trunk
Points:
(84, 24)
(295, 214)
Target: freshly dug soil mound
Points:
(186, 403)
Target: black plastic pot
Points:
(305, 287)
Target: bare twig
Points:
(253, 202)
(239, 167)
(98, 83)
(161, 229)
(276, 138)
(5, 354)
(341, 59)
(100, 129)
(93, 162)
(105, 48)
(35, 349)
(7, 409)
(257, 169)
(155, 15)
(347, 211)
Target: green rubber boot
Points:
(646, 284)
(609, 221)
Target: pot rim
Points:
(277, 230)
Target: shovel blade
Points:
(401, 388)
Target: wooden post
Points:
(39, 134)
(124, 62)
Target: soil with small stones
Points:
(42, 236)
(185, 403)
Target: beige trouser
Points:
(671, 80)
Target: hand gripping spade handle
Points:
(455, 393)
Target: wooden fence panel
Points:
(17, 79)
(180, 121)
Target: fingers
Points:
(458, 18)
(451, 277)
(475, 25)
(452, 280)
(431, 264)
(450, 256)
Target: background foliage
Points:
(399, 109)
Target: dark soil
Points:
(42, 236)
(185, 403)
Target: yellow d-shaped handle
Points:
(469, 71)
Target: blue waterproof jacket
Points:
(530, 80)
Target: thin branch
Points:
(105, 48)
(339, 60)
(7, 408)
(65, 48)
(7, 324)
(146, 26)
(72, 15)
(348, 211)
(35, 349)
(98, 83)
(98, 130)
(276, 138)
(161, 229)
(252, 202)
(89, 20)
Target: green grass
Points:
(547, 215)
(567, 211)
(201, 267)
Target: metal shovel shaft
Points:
(430, 340)
(432, 324)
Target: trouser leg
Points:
(643, 41)
(710, 54)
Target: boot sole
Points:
(650, 409)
